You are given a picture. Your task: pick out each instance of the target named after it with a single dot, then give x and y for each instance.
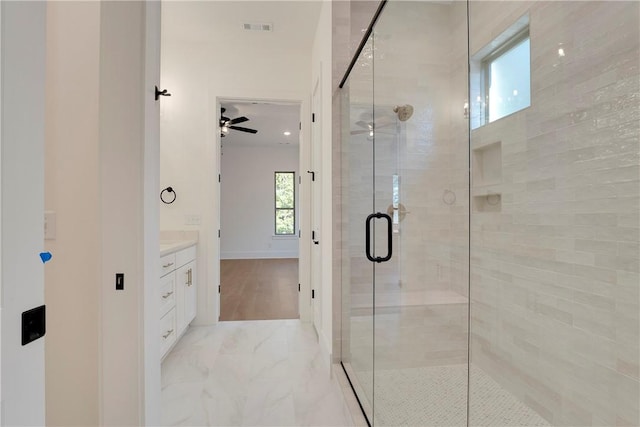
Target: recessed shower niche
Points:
(487, 177)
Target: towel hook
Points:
(163, 92)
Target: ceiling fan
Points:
(370, 126)
(226, 124)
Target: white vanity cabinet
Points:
(177, 294)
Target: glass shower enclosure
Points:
(490, 224)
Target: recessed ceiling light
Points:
(287, 133)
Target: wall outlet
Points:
(192, 219)
(49, 225)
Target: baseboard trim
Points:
(259, 255)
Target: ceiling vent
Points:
(257, 27)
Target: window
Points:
(507, 76)
(500, 76)
(285, 202)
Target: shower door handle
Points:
(368, 237)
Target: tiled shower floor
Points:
(437, 396)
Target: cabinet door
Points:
(185, 295)
(190, 295)
(182, 280)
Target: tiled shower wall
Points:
(410, 70)
(554, 268)
(416, 64)
(413, 52)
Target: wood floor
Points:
(259, 289)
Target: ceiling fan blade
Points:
(359, 132)
(241, 129)
(364, 124)
(238, 120)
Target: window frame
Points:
(275, 203)
(485, 66)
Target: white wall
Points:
(150, 375)
(129, 230)
(22, 192)
(71, 191)
(247, 201)
(1, 102)
(197, 80)
(321, 68)
(102, 176)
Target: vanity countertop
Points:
(169, 246)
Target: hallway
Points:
(250, 373)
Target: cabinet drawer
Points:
(167, 293)
(186, 255)
(167, 331)
(167, 264)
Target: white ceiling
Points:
(221, 22)
(271, 120)
(218, 22)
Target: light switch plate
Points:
(192, 219)
(49, 225)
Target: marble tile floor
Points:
(251, 373)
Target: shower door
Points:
(405, 217)
(490, 278)
(357, 201)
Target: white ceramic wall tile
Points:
(552, 331)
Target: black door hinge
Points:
(219, 178)
(218, 288)
(298, 287)
(313, 235)
(299, 234)
(300, 125)
(313, 117)
(313, 293)
(218, 233)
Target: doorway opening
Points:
(259, 210)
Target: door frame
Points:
(304, 240)
(315, 152)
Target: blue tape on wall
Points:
(45, 256)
